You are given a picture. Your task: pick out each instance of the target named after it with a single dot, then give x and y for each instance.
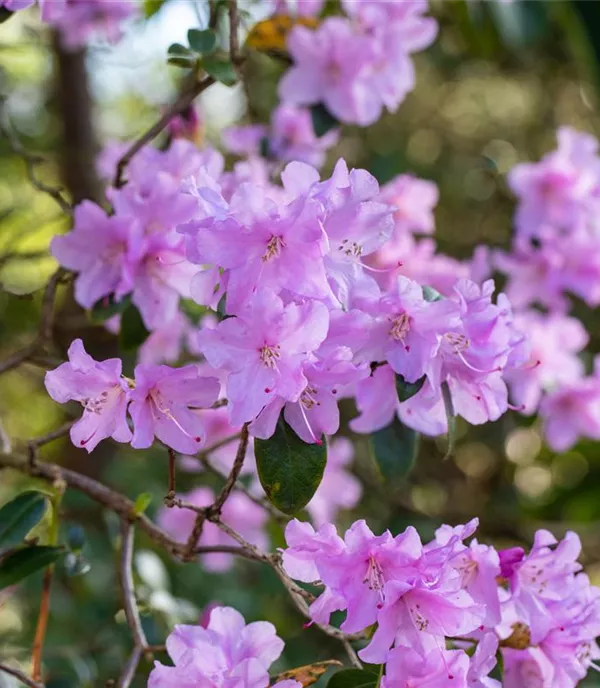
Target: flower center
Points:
(458, 342)
(95, 405)
(374, 575)
(158, 402)
(270, 354)
(273, 250)
(400, 327)
(350, 248)
(306, 398)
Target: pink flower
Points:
(329, 67)
(224, 654)
(482, 662)
(239, 512)
(264, 351)
(405, 668)
(162, 402)
(413, 200)
(339, 489)
(262, 244)
(99, 388)
(555, 341)
(165, 344)
(103, 250)
(293, 137)
(570, 412)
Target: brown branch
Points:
(234, 474)
(42, 624)
(45, 329)
(234, 25)
(130, 606)
(25, 680)
(34, 444)
(171, 489)
(183, 101)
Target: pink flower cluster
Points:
(536, 609)
(556, 252)
(226, 654)
(359, 64)
(80, 20)
(162, 401)
(309, 321)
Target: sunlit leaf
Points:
(203, 42)
(271, 34)
(308, 674)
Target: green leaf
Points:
(395, 450)
(450, 417)
(322, 120)
(26, 561)
(179, 50)
(289, 469)
(406, 390)
(202, 42)
(106, 307)
(142, 502)
(19, 516)
(151, 7)
(133, 331)
(431, 294)
(354, 678)
(221, 69)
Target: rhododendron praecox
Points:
(275, 291)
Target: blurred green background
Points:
(490, 92)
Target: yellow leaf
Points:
(309, 674)
(271, 34)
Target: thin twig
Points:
(34, 444)
(172, 486)
(234, 474)
(183, 101)
(234, 25)
(21, 676)
(140, 643)
(31, 161)
(42, 624)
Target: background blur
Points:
(491, 91)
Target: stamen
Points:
(310, 430)
(269, 355)
(155, 396)
(393, 268)
(273, 250)
(474, 368)
(400, 327)
(516, 408)
(350, 248)
(374, 576)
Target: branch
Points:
(21, 676)
(182, 102)
(130, 606)
(234, 24)
(42, 624)
(45, 329)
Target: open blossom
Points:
(239, 512)
(162, 403)
(264, 351)
(413, 200)
(225, 653)
(103, 250)
(261, 243)
(406, 667)
(99, 388)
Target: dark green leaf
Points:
(176, 49)
(107, 307)
(289, 469)
(19, 516)
(431, 294)
(451, 418)
(406, 390)
(5, 14)
(354, 678)
(133, 331)
(220, 69)
(322, 120)
(26, 561)
(395, 449)
(202, 42)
